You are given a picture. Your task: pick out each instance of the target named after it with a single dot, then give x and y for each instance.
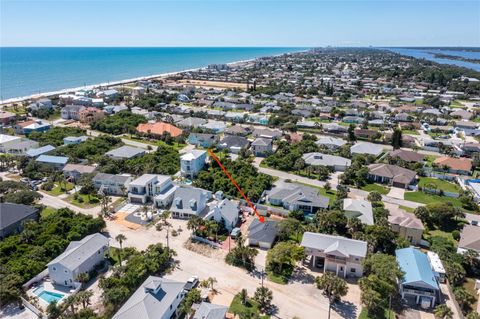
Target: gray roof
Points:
(266, 133)
(319, 159)
(302, 195)
(366, 148)
(125, 152)
(112, 177)
(234, 141)
(329, 243)
(151, 300)
(79, 251)
(262, 142)
(360, 209)
(210, 311)
(192, 122)
(82, 169)
(328, 140)
(228, 210)
(11, 213)
(186, 200)
(263, 232)
(33, 152)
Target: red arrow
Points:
(260, 218)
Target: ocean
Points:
(429, 54)
(28, 71)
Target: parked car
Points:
(192, 282)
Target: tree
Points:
(84, 297)
(264, 297)
(208, 283)
(193, 296)
(82, 278)
(289, 226)
(243, 296)
(374, 197)
(327, 186)
(194, 222)
(443, 312)
(333, 287)
(282, 257)
(422, 213)
(397, 138)
(351, 133)
(53, 310)
(463, 297)
(241, 255)
(120, 238)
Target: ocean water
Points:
(429, 54)
(27, 71)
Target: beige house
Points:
(405, 224)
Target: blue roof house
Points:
(419, 285)
(34, 152)
(57, 162)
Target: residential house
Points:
(437, 266)
(13, 216)
(418, 285)
(405, 224)
(334, 128)
(34, 152)
(111, 184)
(56, 162)
(156, 298)
(330, 142)
(469, 239)
(469, 128)
(7, 117)
(233, 143)
(191, 122)
(300, 197)
(189, 201)
(337, 254)
(262, 146)
(73, 172)
(90, 114)
(460, 166)
(192, 162)
(224, 211)
(158, 129)
(208, 310)
(30, 126)
(114, 109)
(41, 104)
(237, 130)
(263, 234)
(157, 189)
(16, 145)
(392, 175)
(79, 257)
(71, 112)
(463, 114)
(267, 133)
(352, 119)
(125, 152)
(366, 148)
(358, 208)
(74, 140)
(214, 126)
(366, 133)
(203, 139)
(407, 156)
(337, 163)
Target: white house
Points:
(16, 145)
(340, 255)
(158, 189)
(224, 211)
(79, 257)
(358, 208)
(192, 162)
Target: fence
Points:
(439, 191)
(206, 241)
(35, 279)
(32, 308)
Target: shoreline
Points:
(125, 81)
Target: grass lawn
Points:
(441, 233)
(47, 211)
(249, 310)
(407, 209)
(421, 197)
(84, 202)
(410, 132)
(387, 315)
(376, 188)
(441, 185)
(175, 145)
(277, 279)
(57, 190)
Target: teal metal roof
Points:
(416, 267)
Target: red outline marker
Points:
(260, 218)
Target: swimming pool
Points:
(48, 296)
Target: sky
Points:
(239, 23)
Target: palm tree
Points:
(443, 312)
(104, 203)
(463, 297)
(333, 288)
(82, 278)
(208, 283)
(84, 297)
(264, 297)
(71, 302)
(194, 222)
(120, 238)
(243, 296)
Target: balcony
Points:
(418, 292)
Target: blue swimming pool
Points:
(48, 296)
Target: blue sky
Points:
(239, 23)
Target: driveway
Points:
(396, 192)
